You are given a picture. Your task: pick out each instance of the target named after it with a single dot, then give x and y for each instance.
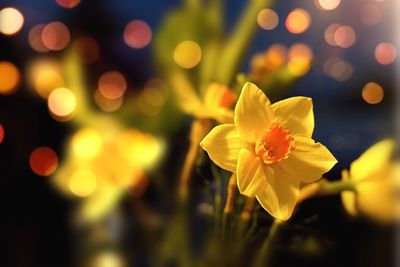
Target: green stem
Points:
(264, 256)
(75, 81)
(217, 198)
(229, 206)
(336, 187)
(234, 50)
(324, 188)
(192, 4)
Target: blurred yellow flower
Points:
(270, 149)
(376, 179)
(262, 64)
(104, 162)
(218, 99)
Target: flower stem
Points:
(235, 48)
(325, 188)
(229, 205)
(245, 216)
(264, 256)
(198, 130)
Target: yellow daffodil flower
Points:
(376, 180)
(216, 104)
(270, 149)
(262, 64)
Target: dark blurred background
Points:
(35, 222)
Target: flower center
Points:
(275, 144)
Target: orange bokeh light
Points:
(299, 59)
(372, 93)
(62, 103)
(10, 78)
(385, 53)
(43, 161)
(345, 36)
(329, 33)
(107, 104)
(68, 3)
(137, 34)
(338, 69)
(112, 84)
(88, 49)
(267, 19)
(55, 36)
(298, 21)
(35, 38)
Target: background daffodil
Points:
(376, 181)
(270, 149)
(103, 163)
(218, 99)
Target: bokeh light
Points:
(11, 21)
(385, 53)
(35, 38)
(139, 149)
(83, 183)
(88, 49)
(153, 97)
(87, 143)
(55, 36)
(46, 81)
(370, 14)
(299, 59)
(43, 161)
(187, 54)
(10, 78)
(62, 103)
(345, 36)
(68, 3)
(44, 76)
(108, 259)
(107, 104)
(372, 93)
(267, 19)
(112, 84)
(137, 34)
(338, 69)
(327, 4)
(276, 56)
(1, 133)
(298, 21)
(329, 34)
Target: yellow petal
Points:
(280, 195)
(308, 160)
(373, 159)
(250, 173)
(377, 196)
(253, 113)
(348, 197)
(296, 114)
(222, 145)
(219, 95)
